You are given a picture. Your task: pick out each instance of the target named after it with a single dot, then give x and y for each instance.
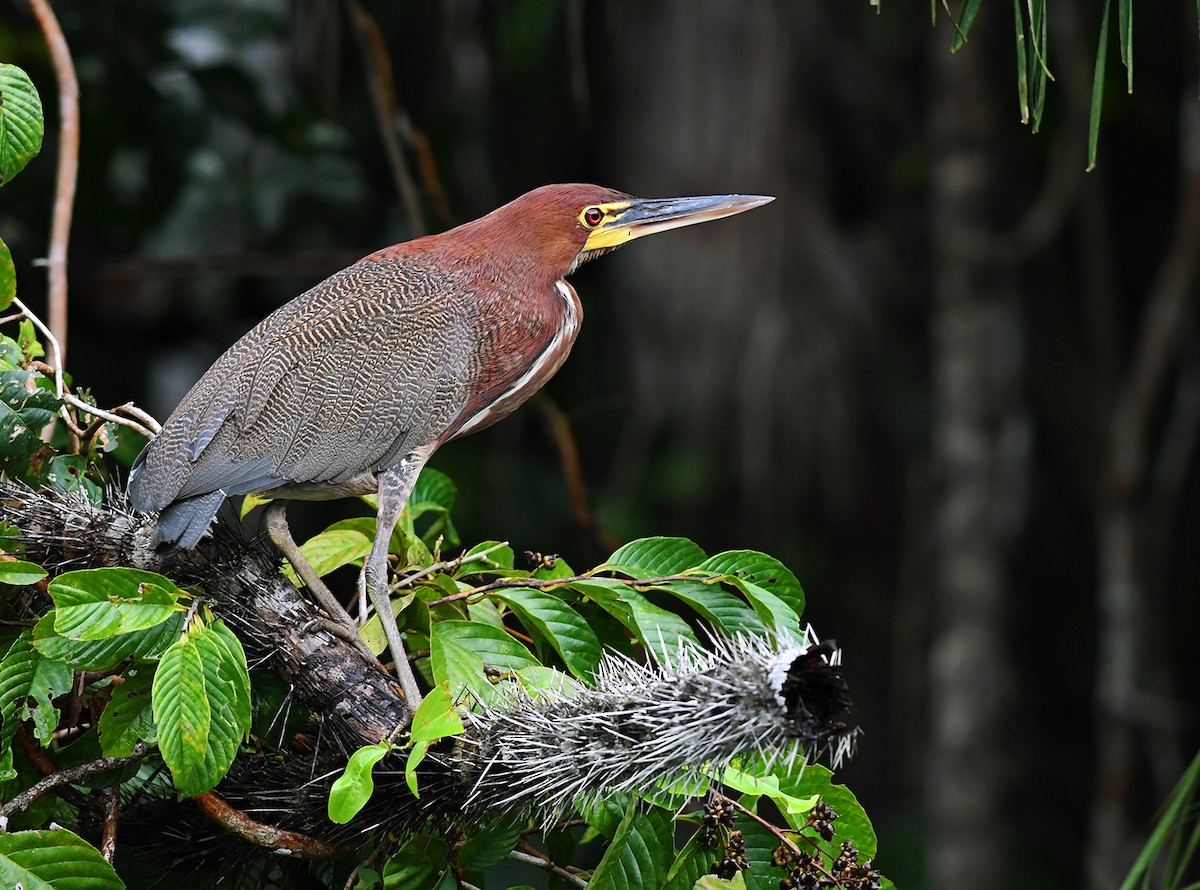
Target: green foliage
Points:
(53, 860)
(435, 719)
(354, 787)
(21, 123)
(1173, 850)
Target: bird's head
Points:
(556, 228)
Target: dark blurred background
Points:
(948, 377)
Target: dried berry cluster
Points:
(806, 871)
(718, 831)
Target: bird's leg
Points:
(395, 485)
(341, 625)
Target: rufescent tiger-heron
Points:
(349, 388)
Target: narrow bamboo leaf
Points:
(8, 277)
(966, 17)
(1039, 30)
(1125, 26)
(353, 788)
(1098, 89)
(461, 652)
(641, 851)
(21, 573)
(547, 616)
(1022, 64)
(128, 717)
(21, 125)
(435, 719)
(101, 655)
(651, 557)
(53, 860)
(959, 36)
(92, 604)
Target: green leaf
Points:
(720, 608)
(690, 865)
(353, 788)
(546, 615)
(461, 650)
(760, 845)
(21, 125)
(768, 786)
(1125, 27)
(435, 719)
(712, 882)
(1098, 90)
(92, 604)
(640, 853)
(965, 18)
(53, 860)
(101, 655)
(20, 573)
(852, 823)
(8, 277)
(26, 405)
(25, 675)
(657, 556)
(488, 846)
(765, 571)
(434, 493)
(201, 701)
(129, 716)
(660, 631)
(418, 865)
(332, 549)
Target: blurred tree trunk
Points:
(980, 441)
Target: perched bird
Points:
(350, 387)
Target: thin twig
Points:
(550, 583)
(263, 835)
(22, 801)
(112, 809)
(547, 865)
(378, 69)
(447, 565)
(111, 417)
(68, 169)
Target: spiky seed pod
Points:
(641, 723)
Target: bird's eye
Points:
(592, 217)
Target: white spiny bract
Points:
(640, 727)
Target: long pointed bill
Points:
(626, 220)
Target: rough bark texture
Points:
(980, 447)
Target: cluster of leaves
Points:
(121, 682)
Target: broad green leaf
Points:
(27, 404)
(660, 631)
(353, 788)
(435, 719)
(8, 277)
(27, 341)
(92, 604)
(712, 882)
(434, 493)
(20, 573)
(765, 571)
(101, 655)
(852, 823)
(461, 650)
(760, 845)
(777, 615)
(26, 676)
(499, 556)
(488, 846)
(640, 853)
(200, 698)
(547, 616)
(53, 860)
(418, 865)
(767, 786)
(128, 717)
(21, 125)
(690, 865)
(332, 549)
(720, 608)
(654, 557)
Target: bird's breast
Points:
(521, 344)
